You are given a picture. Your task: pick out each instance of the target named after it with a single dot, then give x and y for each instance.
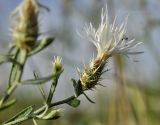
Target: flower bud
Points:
(25, 28)
(92, 74)
(57, 64)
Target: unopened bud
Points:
(57, 64)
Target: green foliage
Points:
(74, 103)
(8, 104)
(127, 104)
(20, 117)
(42, 44)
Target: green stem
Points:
(34, 121)
(16, 73)
(52, 89)
(40, 110)
(13, 69)
(7, 94)
(63, 101)
(54, 104)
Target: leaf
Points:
(74, 103)
(8, 104)
(17, 70)
(11, 49)
(24, 114)
(77, 87)
(7, 58)
(50, 115)
(88, 98)
(38, 80)
(40, 87)
(42, 44)
(13, 69)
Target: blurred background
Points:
(132, 92)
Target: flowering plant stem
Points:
(53, 88)
(15, 74)
(40, 110)
(108, 39)
(54, 104)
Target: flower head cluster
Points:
(25, 29)
(109, 40)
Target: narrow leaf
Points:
(7, 58)
(8, 104)
(25, 113)
(88, 98)
(74, 103)
(42, 44)
(77, 87)
(40, 87)
(38, 80)
(11, 49)
(17, 121)
(51, 115)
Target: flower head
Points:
(109, 40)
(57, 64)
(25, 28)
